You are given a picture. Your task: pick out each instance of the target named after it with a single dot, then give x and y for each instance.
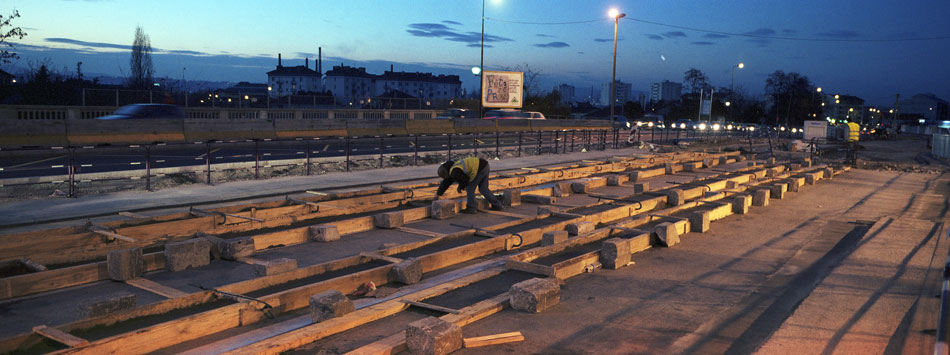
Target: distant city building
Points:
(567, 94)
(928, 106)
(624, 93)
(291, 80)
(666, 91)
(345, 81)
(845, 107)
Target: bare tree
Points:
(140, 66)
(695, 80)
(530, 83)
(6, 47)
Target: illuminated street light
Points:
(818, 89)
(728, 103)
(616, 15)
(732, 84)
(476, 71)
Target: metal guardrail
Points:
(941, 145)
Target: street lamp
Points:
(732, 85)
(616, 15)
(481, 67)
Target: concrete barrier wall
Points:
(60, 126)
(941, 145)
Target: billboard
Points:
(503, 89)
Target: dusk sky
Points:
(869, 48)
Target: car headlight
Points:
(702, 126)
(729, 127)
(650, 124)
(628, 124)
(751, 128)
(782, 129)
(682, 126)
(716, 127)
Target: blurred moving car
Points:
(453, 113)
(146, 111)
(684, 123)
(504, 114)
(534, 115)
(651, 121)
(619, 122)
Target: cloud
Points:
(653, 36)
(552, 45)
(176, 51)
(452, 22)
(761, 32)
(789, 32)
(89, 44)
(714, 36)
(438, 30)
(672, 34)
(840, 34)
(580, 52)
(544, 35)
(604, 40)
(702, 43)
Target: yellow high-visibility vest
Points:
(468, 165)
(854, 132)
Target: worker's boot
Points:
(470, 211)
(497, 207)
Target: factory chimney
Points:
(278, 61)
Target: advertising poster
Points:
(503, 89)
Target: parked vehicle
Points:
(146, 111)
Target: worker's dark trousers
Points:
(481, 183)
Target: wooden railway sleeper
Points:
(203, 213)
(268, 310)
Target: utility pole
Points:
(896, 114)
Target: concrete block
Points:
(615, 253)
(641, 187)
(731, 184)
(741, 203)
(481, 204)
(794, 166)
(389, 220)
(795, 184)
(433, 336)
(106, 305)
(723, 160)
(329, 304)
(561, 189)
(580, 228)
(548, 209)
(553, 237)
(778, 190)
(408, 271)
(324, 233)
(534, 295)
(541, 200)
(708, 163)
(232, 249)
(617, 180)
(692, 166)
(751, 163)
(125, 264)
(699, 221)
(770, 161)
(512, 198)
(666, 234)
(635, 176)
(761, 197)
(669, 168)
(274, 267)
(586, 185)
(675, 197)
(812, 178)
(829, 172)
(189, 253)
(444, 209)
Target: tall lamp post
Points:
(616, 15)
(481, 68)
(732, 85)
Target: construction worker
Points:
(470, 173)
(853, 134)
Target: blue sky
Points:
(870, 48)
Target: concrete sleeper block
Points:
(444, 209)
(641, 187)
(666, 234)
(106, 305)
(699, 221)
(324, 233)
(433, 336)
(675, 197)
(580, 228)
(189, 253)
(617, 180)
(389, 220)
(553, 237)
(274, 267)
(125, 264)
(534, 295)
(408, 271)
(761, 197)
(233, 249)
(740, 204)
(329, 304)
(512, 197)
(615, 253)
(561, 189)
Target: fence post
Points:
(520, 139)
(415, 154)
(71, 170)
(308, 157)
(616, 138)
(148, 169)
(539, 142)
(382, 149)
(475, 142)
(257, 159)
(347, 153)
(497, 145)
(450, 146)
(557, 135)
(208, 163)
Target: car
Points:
(684, 123)
(146, 111)
(619, 122)
(533, 115)
(651, 121)
(504, 114)
(454, 113)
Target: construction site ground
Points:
(848, 265)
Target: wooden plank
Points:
(529, 267)
(486, 340)
(420, 232)
(431, 306)
(112, 235)
(576, 265)
(132, 215)
(156, 288)
(507, 214)
(69, 340)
